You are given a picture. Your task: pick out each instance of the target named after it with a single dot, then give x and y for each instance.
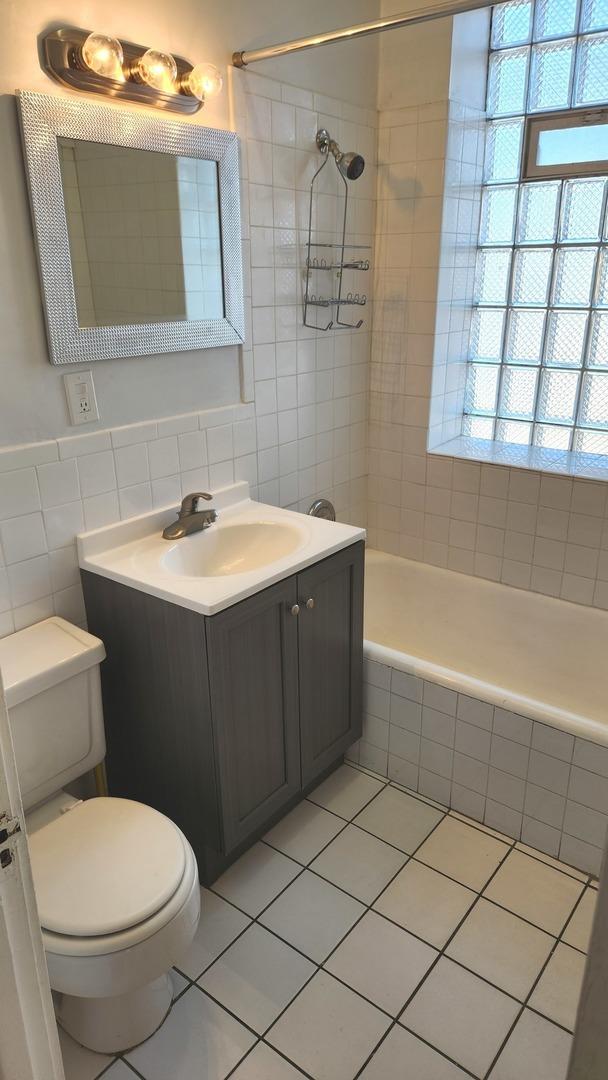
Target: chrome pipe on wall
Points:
(349, 33)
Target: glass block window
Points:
(538, 354)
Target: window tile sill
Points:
(539, 459)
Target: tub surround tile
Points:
(523, 794)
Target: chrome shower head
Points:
(350, 164)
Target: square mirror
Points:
(137, 223)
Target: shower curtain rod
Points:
(348, 33)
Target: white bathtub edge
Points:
(581, 726)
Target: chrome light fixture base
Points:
(62, 60)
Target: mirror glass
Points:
(144, 233)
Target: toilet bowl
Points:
(116, 881)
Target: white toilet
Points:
(116, 881)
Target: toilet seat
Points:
(103, 867)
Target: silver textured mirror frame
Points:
(45, 118)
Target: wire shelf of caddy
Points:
(349, 166)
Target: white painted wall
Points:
(32, 402)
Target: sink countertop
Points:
(134, 553)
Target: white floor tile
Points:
(263, 1063)
(401, 1055)
(119, 1071)
(346, 791)
(359, 863)
(399, 819)
(559, 987)
(78, 1062)
(425, 902)
(219, 924)
(461, 1015)
(536, 1049)
(312, 915)
(382, 962)
(464, 853)
(256, 878)
(328, 1030)
(550, 861)
(257, 977)
(578, 930)
(501, 948)
(198, 1039)
(179, 983)
(535, 891)
(304, 831)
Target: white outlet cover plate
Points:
(80, 392)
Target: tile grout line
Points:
(544, 967)
(440, 955)
(367, 907)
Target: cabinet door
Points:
(252, 653)
(330, 658)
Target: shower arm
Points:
(349, 33)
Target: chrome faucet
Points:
(189, 519)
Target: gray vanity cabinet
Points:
(330, 658)
(223, 722)
(252, 651)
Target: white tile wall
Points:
(92, 481)
(534, 531)
(310, 388)
(529, 780)
(304, 431)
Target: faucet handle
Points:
(189, 502)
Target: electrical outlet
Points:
(80, 393)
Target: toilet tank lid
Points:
(43, 655)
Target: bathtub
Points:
(491, 700)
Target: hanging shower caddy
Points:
(332, 257)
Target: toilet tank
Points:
(51, 681)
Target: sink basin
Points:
(231, 549)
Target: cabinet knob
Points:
(295, 610)
(310, 603)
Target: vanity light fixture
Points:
(158, 70)
(101, 64)
(104, 56)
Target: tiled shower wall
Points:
(526, 779)
(302, 431)
(535, 531)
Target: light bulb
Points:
(158, 69)
(204, 81)
(104, 56)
